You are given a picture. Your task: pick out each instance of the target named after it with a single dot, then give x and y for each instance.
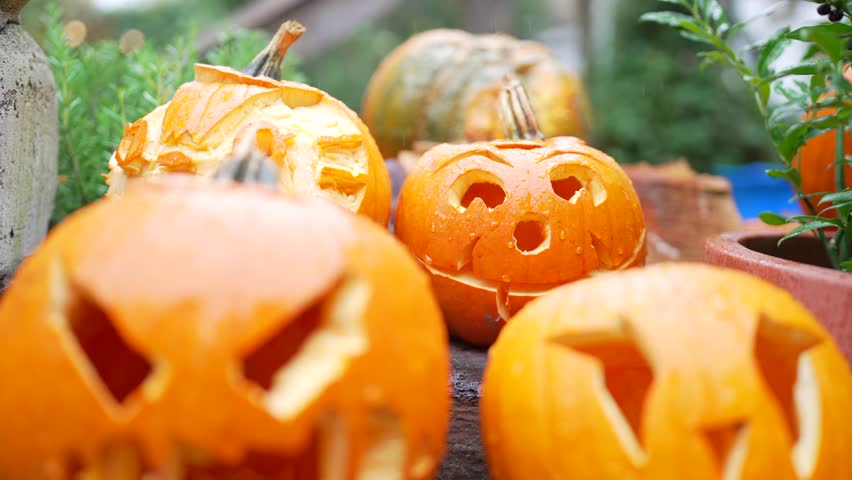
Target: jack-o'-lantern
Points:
(194, 329)
(321, 145)
(669, 371)
(442, 86)
(501, 222)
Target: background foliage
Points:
(650, 104)
(655, 103)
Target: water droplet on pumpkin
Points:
(506, 278)
(471, 235)
(494, 225)
(561, 234)
(433, 228)
(427, 259)
(510, 244)
(621, 251)
(579, 250)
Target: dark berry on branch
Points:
(835, 15)
(824, 9)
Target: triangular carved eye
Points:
(624, 382)
(104, 354)
(781, 354)
(295, 363)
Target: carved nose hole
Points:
(532, 236)
(476, 184)
(566, 188)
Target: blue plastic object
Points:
(756, 192)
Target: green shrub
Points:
(652, 105)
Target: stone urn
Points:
(28, 141)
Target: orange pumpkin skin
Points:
(815, 163)
(322, 145)
(441, 86)
(267, 354)
(670, 371)
(595, 225)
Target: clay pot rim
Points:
(731, 245)
(654, 176)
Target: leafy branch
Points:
(816, 83)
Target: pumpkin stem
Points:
(248, 165)
(516, 112)
(268, 62)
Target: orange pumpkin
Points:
(502, 222)
(670, 371)
(816, 161)
(184, 331)
(322, 145)
(442, 86)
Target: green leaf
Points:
(810, 226)
(673, 19)
(791, 174)
(807, 68)
(840, 207)
(813, 218)
(846, 266)
(773, 49)
(692, 36)
(829, 36)
(771, 218)
(842, 196)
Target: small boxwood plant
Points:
(798, 88)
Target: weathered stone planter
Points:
(682, 209)
(28, 141)
(799, 266)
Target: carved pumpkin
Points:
(442, 86)
(670, 371)
(322, 145)
(500, 223)
(184, 331)
(29, 143)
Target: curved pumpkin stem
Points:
(268, 62)
(248, 165)
(516, 112)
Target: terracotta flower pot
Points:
(800, 266)
(682, 209)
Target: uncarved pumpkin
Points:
(501, 222)
(442, 86)
(322, 145)
(816, 164)
(670, 371)
(183, 331)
